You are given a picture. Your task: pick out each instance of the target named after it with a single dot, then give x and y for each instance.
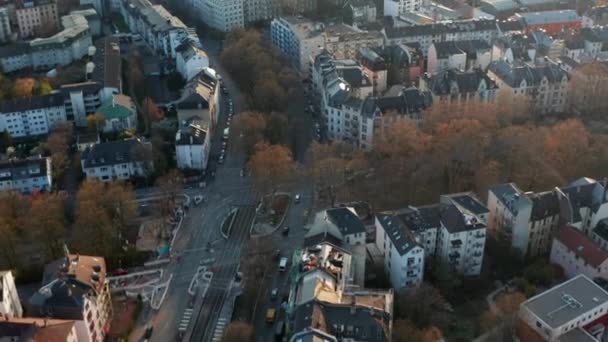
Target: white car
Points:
(198, 199)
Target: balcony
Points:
(479, 235)
(454, 256)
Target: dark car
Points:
(286, 230)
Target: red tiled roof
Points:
(582, 246)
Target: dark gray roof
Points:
(29, 103)
(22, 169)
(533, 75)
(544, 204)
(454, 221)
(408, 101)
(463, 81)
(14, 50)
(504, 192)
(89, 87)
(446, 49)
(418, 219)
(110, 153)
(470, 203)
(346, 221)
(190, 135)
(343, 321)
(602, 229)
(61, 298)
(579, 196)
(107, 62)
(397, 232)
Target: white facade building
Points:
(26, 175)
(190, 60)
(161, 31)
(117, 160)
(395, 8)
(9, 298)
(300, 40)
(63, 48)
(192, 147)
(5, 25)
(577, 254)
(28, 117)
(223, 15)
(527, 221)
(571, 311)
(403, 257)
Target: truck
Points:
(283, 264)
(271, 314)
(226, 133)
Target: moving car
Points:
(198, 199)
(274, 293)
(271, 314)
(297, 198)
(286, 230)
(283, 264)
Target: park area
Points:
(271, 213)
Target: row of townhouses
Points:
(73, 304)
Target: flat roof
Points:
(567, 301)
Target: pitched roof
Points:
(397, 233)
(465, 81)
(533, 75)
(544, 204)
(107, 62)
(30, 103)
(110, 153)
(119, 108)
(346, 220)
(582, 246)
(548, 17)
(16, 169)
(440, 28)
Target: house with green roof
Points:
(118, 115)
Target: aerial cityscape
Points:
(303, 170)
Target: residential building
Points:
(81, 100)
(225, 15)
(552, 22)
(26, 175)
(577, 254)
(117, 160)
(378, 114)
(343, 41)
(93, 19)
(98, 5)
(298, 39)
(193, 145)
(574, 310)
(63, 48)
(75, 287)
(118, 115)
(10, 306)
(403, 257)
(375, 68)
(107, 68)
(36, 16)
(545, 85)
(467, 203)
(460, 87)
(200, 100)
(39, 329)
(361, 12)
(31, 116)
(460, 55)
(160, 30)
(596, 16)
(190, 60)
(527, 220)
(461, 236)
(324, 299)
(300, 6)
(406, 62)
(395, 8)
(583, 203)
(343, 223)
(84, 140)
(5, 25)
(260, 10)
(425, 35)
(519, 47)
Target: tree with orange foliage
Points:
(503, 314)
(566, 144)
(271, 166)
(46, 223)
(24, 87)
(151, 112)
(249, 127)
(405, 331)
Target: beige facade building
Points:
(36, 17)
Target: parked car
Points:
(297, 198)
(274, 293)
(286, 230)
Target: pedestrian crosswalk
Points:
(218, 333)
(183, 324)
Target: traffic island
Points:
(226, 227)
(270, 214)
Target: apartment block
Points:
(5, 25)
(39, 329)
(31, 116)
(117, 160)
(395, 8)
(298, 39)
(88, 300)
(460, 87)
(26, 175)
(36, 16)
(225, 15)
(344, 41)
(577, 254)
(260, 10)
